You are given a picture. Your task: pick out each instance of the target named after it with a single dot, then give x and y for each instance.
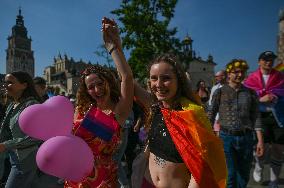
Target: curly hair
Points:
(183, 86)
(84, 100)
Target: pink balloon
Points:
(67, 157)
(52, 118)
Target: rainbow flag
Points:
(201, 151)
(100, 124)
(279, 67)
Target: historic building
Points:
(280, 52)
(197, 67)
(19, 55)
(64, 75)
(2, 84)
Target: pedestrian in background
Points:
(220, 78)
(269, 86)
(202, 91)
(20, 147)
(40, 86)
(237, 108)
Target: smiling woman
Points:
(183, 148)
(20, 147)
(103, 104)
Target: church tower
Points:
(281, 38)
(19, 55)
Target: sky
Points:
(226, 29)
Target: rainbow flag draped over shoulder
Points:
(279, 67)
(200, 149)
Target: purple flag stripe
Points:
(97, 128)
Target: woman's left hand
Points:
(111, 34)
(2, 148)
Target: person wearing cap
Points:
(220, 78)
(237, 108)
(269, 86)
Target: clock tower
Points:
(19, 55)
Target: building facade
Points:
(19, 55)
(198, 68)
(280, 52)
(64, 75)
(2, 85)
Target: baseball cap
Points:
(267, 55)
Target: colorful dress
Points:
(96, 133)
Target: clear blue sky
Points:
(224, 28)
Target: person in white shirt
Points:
(269, 85)
(220, 78)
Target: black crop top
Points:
(160, 141)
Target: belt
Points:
(236, 132)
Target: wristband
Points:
(111, 50)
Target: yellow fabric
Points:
(211, 146)
(199, 113)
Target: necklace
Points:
(107, 111)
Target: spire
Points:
(210, 58)
(19, 20)
(187, 41)
(187, 46)
(19, 29)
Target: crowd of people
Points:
(188, 138)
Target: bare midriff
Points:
(166, 174)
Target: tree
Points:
(145, 31)
(102, 52)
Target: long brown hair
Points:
(84, 100)
(24, 77)
(184, 88)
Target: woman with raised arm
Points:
(184, 152)
(103, 105)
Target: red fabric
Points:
(104, 174)
(201, 151)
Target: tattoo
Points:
(160, 162)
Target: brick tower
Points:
(19, 55)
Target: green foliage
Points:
(102, 52)
(145, 31)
